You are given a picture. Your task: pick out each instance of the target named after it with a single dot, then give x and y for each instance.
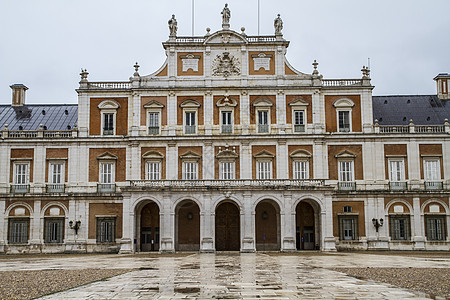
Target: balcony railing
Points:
(109, 85)
(106, 188)
(299, 128)
(153, 130)
(411, 128)
(20, 188)
(342, 82)
(347, 186)
(398, 185)
(108, 131)
(189, 129)
(55, 188)
(31, 134)
(263, 128)
(227, 128)
(433, 185)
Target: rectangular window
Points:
(396, 170)
(153, 123)
(106, 228)
(344, 121)
(348, 227)
(108, 124)
(432, 170)
(264, 169)
(190, 171)
(21, 176)
(263, 121)
(18, 231)
(56, 173)
(301, 169)
(435, 228)
(106, 173)
(399, 227)
(227, 124)
(54, 230)
(227, 170)
(346, 171)
(190, 122)
(299, 121)
(153, 170)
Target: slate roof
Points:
(29, 117)
(422, 109)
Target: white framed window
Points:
(56, 172)
(432, 169)
(18, 230)
(299, 108)
(396, 170)
(190, 116)
(226, 170)
(226, 121)
(108, 109)
(227, 162)
(153, 170)
(348, 227)
(190, 170)
(21, 173)
(263, 108)
(154, 112)
(264, 169)
(346, 173)
(301, 169)
(344, 114)
(107, 172)
(106, 229)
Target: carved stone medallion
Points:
(226, 65)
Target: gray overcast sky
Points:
(45, 43)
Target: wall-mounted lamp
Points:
(75, 225)
(377, 223)
(190, 216)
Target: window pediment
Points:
(343, 103)
(300, 154)
(189, 103)
(107, 156)
(108, 104)
(264, 155)
(153, 155)
(345, 154)
(227, 154)
(263, 102)
(298, 103)
(190, 155)
(154, 104)
(226, 101)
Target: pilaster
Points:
(208, 112)
(419, 238)
(206, 225)
(287, 223)
(248, 224)
(282, 160)
(245, 160)
(172, 161)
(172, 113)
(208, 160)
(245, 112)
(281, 112)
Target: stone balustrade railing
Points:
(32, 134)
(109, 85)
(341, 82)
(412, 128)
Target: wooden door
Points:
(227, 227)
(149, 228)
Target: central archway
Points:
(267, 225)
(187, 216)
(148, 230)
(228, 235)
(307, 225)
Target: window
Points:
(344, 121)
(301, 169)
(299, 121)
(53, 230)
(108, 110)
(264, 169)
(399, 227)
(190, 170)
(227, 122)
(189, 122)
(56, 173)
(106, 228)
(346, 171)
(348, 227)
(435, 227)
(263, 121)
(227, 170)
(432, 169)
(153, 170)
(106, 172)
(18, 230)
(108, 124)
(153, 122)
(190, 108)
(107, 165)
(396, 170)
(21, 173)
(347, 209)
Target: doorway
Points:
(227, 227)
(149, 228)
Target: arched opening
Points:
(267, 225)
(148, 231)
(307, 225)
(187, 216)
(228, 236)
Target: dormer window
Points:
(190, 116)
(153, 109)
(344, 114)
(108, 109)
(227, 163)
(262, 110)
(226, 111)
(264, 165)
(153, 165)
(299, 107)
(300, 164)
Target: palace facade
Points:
(226, 147)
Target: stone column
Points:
(245, 160)
(413, 164)
(83, 114)
(329, 242)
(39, 161)
(281, 112)
(134, 113)
(172, 161)
(208, 160)
(128, 228)
(248, 224)
(287, 223)
(416, 224)
(318, 110)
(206, 225)
(282, 160)
(167, 221)
(245, 112)
(133, 161)
(172, 113)
(3, 226)
(320, 160)
(208, 112)
(36, 228)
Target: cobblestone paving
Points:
(231, 276)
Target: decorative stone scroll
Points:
(261, 60)
(190, 61)
(226, 65)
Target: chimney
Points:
(442, 82)
(18, 94)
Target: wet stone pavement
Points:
(231, 276)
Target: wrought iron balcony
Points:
(153, 130)
(227, 128)
(433, 185)
(108, 131)
(20, 188)
(299, 128)
(106, 188)
(263, 128)
(55, 188)
(189, 129)
(347, 186)
(398, 185)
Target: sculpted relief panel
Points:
(226, 64)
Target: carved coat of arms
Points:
(226, 65)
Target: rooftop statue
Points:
(226, 15)
(173, 26)
(278, 24)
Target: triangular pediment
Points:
(264, 154)
(107, 156)
(226, 37)
(153, 104)
(227, 154)
(190, 155)
(345, 154)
